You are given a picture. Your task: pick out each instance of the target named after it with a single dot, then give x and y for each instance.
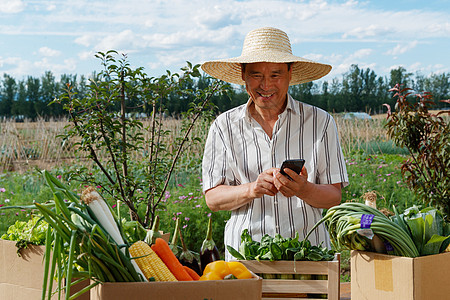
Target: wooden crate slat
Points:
(294, 298)
(288, 267)
(334, 279)
(294, 286)
(282, 288)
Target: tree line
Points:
(359, 90)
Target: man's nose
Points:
(265, 82)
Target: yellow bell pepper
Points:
(219, 269)
(210, 276)
(239, 270)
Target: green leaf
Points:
(417, 227)
(235, 253)
(433, 245)
(277, 252)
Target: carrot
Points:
(163, 250)
(192, 273)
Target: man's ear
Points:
(290, 74)
(243, 72)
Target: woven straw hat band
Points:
(266, 44)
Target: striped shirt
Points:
(237, 150)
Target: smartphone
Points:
(295, 165)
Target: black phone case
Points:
(295, 165)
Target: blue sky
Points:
(159, 35)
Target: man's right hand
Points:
(264, 185)
(228, 197)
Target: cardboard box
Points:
(248, 289)
(380, 276)
(298, 288)
(22, 277)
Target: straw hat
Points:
(266, 44)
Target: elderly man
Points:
(247, 145)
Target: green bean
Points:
(70, 262)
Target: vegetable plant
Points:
(427, 138)
(23, 233)
(354, 225)
(103, 126)
(427, 228)
(83, 241)
(278, 248)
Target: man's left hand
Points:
(295, 186)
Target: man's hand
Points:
(264, 184)
(228, 197)
(294, 187)
(317, 195)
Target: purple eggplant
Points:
(208, 251)
(187, 258)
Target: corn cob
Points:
(150, 263)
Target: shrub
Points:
(427, 138)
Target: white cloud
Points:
(218, 17)
(361, 53)
(123, 40)
(402, 48)
(314, 57)
(371, 31)
(51, 7)
(67, 66)
(85, 40)
(341, 63)
(85, 55)
(46, 51)
(11, 6)
(428, 69)
(167, 33)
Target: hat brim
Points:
(303, 70)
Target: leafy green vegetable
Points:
(279, 248)
(427, 228)
(33, 231)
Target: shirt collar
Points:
(289, 106)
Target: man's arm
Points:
(226, 197)
(317, 195)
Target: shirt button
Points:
(275, 202)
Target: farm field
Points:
(373, 165)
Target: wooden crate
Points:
(296, 288)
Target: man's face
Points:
(267, 84)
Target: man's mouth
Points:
(265, 95)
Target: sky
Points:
(63, 36)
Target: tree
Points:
(440, 86)
(352, 88)
(7, 95)
(335, 101)
(49, 90)
(21, 106)
(33, 96)
(101, 124)
(369, 87)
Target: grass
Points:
(380, 173)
